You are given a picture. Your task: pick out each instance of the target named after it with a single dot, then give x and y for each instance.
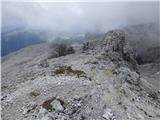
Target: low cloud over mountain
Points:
(78, 16)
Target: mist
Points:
(78, 17)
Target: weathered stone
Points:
(28, 108)
(44, 63)
(126, 75)
(56, 105)
(115, 40)
(76, 97)
(109, 115)
(41, 114)
(116, 48)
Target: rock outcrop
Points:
(116, 43)
(116, 47)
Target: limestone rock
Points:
(56, 105)
(109, 115)
(118, 48)
(44, 64)
(115, 40)
(43, 115)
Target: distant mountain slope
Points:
(144, 38)
(17, 38)
(13, 41)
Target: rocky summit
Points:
(100, 80)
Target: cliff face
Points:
(99, 81)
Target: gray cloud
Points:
(78, 17)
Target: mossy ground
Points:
(34, 93)
(47, 104)
(4, 87)
(69, 70)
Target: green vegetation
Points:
(69, 70)
(61, 101)
(4, 87)
(61, 50)
(34, 93)
(47, 104)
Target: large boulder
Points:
(56, 105)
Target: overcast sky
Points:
(78, 17)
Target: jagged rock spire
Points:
(115, 40)
(117, 44)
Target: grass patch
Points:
(4, 87)
(61, 70)
(34, 93)
(61, 101)
(47, 104)
(69, 70)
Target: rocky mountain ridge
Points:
(102, 82)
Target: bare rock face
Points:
(118, 49)
(115, 40)
(125, 75)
